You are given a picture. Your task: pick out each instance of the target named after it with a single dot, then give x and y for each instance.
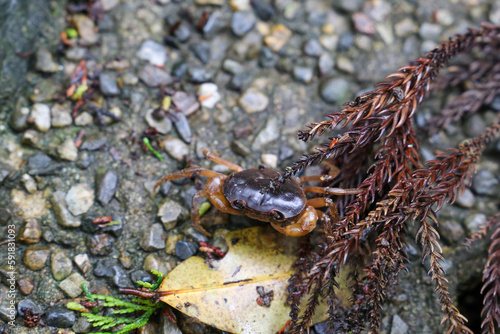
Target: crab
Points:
(285, 207)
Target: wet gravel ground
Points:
(245, 76)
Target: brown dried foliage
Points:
(397, 188)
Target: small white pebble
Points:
(270, 160)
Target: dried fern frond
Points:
(491, 285)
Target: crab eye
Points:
(277, 215)
(238, 204)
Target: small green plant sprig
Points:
(123, 307)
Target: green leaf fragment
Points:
(148, 144)
(79, 92)
(71, 33)
(204, 208)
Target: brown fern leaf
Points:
(388, 107)
(488, 225)
(491, 285)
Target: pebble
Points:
(267, 59)
(31, 232)
(349, 6)
(253, 101)
(41, 116)
(179, 69)
(140, 275)
(108, 84)
(398, 325)
(325, 65)
(80, 198)
(60, 117)
(93, 142)
(474, 222)
(270, 160)
(242, 22)
(63, 215)
(240, 5)
(104, 267)
(26, 285)
(313, 48)
(181, 125)
(202, 51)
(82, 262)
(451, 231)
(107, 5)
(182, 33)
(60, 264)
(152, 239)
(167, 326)
(130, 79)
(155, 262)
(484, 182)
(153, 52)
(467, 199)
(216, 22)
(86, 30)
(125, 260)
(210, 2)
(44, 61)
(170, 243)
(175, 148)
(186, 102)
(208, 95)
(163, 125)
(100, 244)
(198, 74)
(68, 150)
(153, 76)
(345, 42)
(28, 303)
(264, 10)
(60, 317)
(286, 152)
(120, 278)
(363, 23)
(405, 28)
(76, 53)
(334, 90)
(170, 212)
(84, 119)
(240, 81)
(329, 42)
(29, 183)
(18, 118)
(474, 126)
(303, 73)
(240, 148)
(278, 37)
(430, 31)
(106, 184)
(185, 249)
(232, 66)
(72, 286)
(82, 325)
(345, 65)
(267, 135)
(36, 256)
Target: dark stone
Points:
(267, 58)
(201, 51)
(60, 317)
(303, 73)
(106, 186)
(93, 142)
(100, 244)
(240, 82)
(115, 229)
(215, 23)
(286, 152)
(185, 249)
(165, 188)
(108, 84)
(316, 18)
(198, 74)
(313, 48)
(264, 10)
(5, 216)
(140, 275)
(242, 22)
(88, 225)
(152, 239)
(334, 89)
(153, 76)
(85, 160)
(182, 33)
(495, 104)
(120, 277)
(104, 268)
(29, 304)
(346, 40)
(182, 127)
(41, 164)
(179, 69)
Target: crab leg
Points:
(215, 158)
(195, 211)
(188, 172)
(332, 191)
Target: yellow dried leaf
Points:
(225, 295)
